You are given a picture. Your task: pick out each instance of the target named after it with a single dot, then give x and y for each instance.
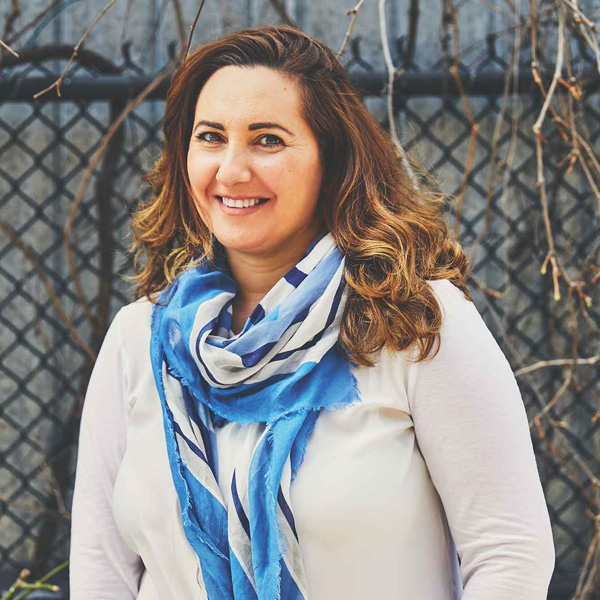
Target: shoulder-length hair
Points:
(390, 228)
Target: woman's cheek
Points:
(197, 173)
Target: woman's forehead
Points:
(248, 95)
(249, 86)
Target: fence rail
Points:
(413, 85)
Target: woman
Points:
(271, 419)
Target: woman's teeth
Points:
(241, 203)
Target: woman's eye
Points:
(275, 140)
(278, 140)
(200, 136)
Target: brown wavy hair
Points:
(390, 227)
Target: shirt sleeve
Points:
(101, 565)
(472, 430)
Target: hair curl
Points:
(390, 227)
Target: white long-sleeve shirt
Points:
(436, 459)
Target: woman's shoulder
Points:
(139, 310)
(460, 318)
(448, 294)
(464, 334)
(133, 323)
(459, 312)
(455, 307)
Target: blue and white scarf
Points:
(275, 376)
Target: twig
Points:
(39, 584)
(584, 22)
(450, 10)
(411, 42)
(390, 91)
(180, 23)
(59, 81)
(589, 472)
(33, 21)
(29, 253)
(557, 362)
(33, 509)
(192, 27)
(563, 388)
(14, 14)
(7, 47)
(58, 495)
(354, 13)
(511, 73)
(541, 182)
(21, 584)
(558, 455)
(125, 27)
(94, 161)
(557, 71)
(589, 572)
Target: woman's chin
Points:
(245, 242)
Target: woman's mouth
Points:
(240, 207)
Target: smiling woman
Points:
(258, 200)
(268, 420)
(243, 163)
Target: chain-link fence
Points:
(56, 303)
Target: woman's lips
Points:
(239, 212)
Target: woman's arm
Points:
(472, 429)
(101, 565)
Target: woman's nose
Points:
(234, 167)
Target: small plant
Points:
(20, 585)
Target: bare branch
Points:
(450, 14)
(7, 47)
(95, 160)
(59, 81)
(39, 17)
(180, 22)
(557, 362)
(30, 254)
(354, 13)
(192, 28)
(390, 91)
(11, 18)
(557, 71)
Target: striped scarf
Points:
(274, 376)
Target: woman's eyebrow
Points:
(251, 127)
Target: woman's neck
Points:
(255, 275)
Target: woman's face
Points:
(249, 141)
